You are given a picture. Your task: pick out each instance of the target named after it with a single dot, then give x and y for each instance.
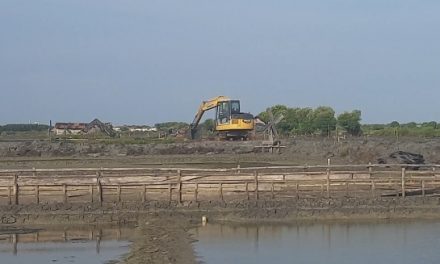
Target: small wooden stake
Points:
(373, 189)
(247, 190)
(423, 188)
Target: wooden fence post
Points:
(403, 182)
(15, 190)
(144, 193)
(273, 191)
(170, 190)
(247, 190)
(196, 192)
(220, 191)
(256, 185)
(64, 193)
(328, 182)
(15, 243)
(91, 193)
(297, 190)
(373, 189)
(99, 186)
(423, 188)
(370, 170)
(37, 194)
(9, 195)
(179, 186)
(118, 190)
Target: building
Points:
(93, 127)
(69, 128)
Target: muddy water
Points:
(83, 245)
(378, 242)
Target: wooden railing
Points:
(192, 184)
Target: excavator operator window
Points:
(235, 107)
(223, 112)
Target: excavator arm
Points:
(205, 106)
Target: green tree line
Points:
(308, 121)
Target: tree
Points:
(431, 124)
(324, 120)
(350, 121)
(276, 109)
(410, 125)
(209, 124)
(394, 124)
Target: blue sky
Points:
(143, 62)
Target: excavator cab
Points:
(230, 122)
(225, 110)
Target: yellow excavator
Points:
(230, 122)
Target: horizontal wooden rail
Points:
(70, 185)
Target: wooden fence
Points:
(173, 184)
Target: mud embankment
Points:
(238, 210)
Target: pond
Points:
(338, 243)
(61, 245)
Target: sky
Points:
(150, 61)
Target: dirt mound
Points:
(402, 157)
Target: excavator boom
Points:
(205, 106)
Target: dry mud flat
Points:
(298, 151)
(162, 227)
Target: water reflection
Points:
(87, 245)
(380, 242)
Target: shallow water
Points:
(373, 242)
(64, 246)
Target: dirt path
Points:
(162, 241)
